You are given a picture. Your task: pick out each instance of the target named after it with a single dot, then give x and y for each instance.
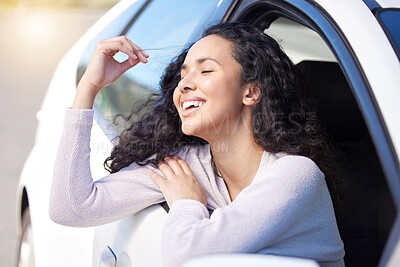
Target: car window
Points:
(298, 41)
(390, 21)
(163, 29)
(366, 197)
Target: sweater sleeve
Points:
(285, 211)
(76, 200)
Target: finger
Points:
(158, 179)
(125, 46)
(121, 43)
(174, 165)
(138, 48)
(135, 52)
(139, 52)
(166, 170)
(185, 167)
(129, 63)
(144, 52)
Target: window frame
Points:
(378, 13)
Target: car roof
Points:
(389, 3)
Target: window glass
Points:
(163, 29)
(390, 20)
(298, 41)
(112, 30)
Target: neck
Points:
(237, 158)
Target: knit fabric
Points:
(286, 210)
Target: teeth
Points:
(187, 104)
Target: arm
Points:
(78, 201)
(75, 199)
(286, 210)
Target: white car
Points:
(349, 51)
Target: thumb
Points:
(129, 63)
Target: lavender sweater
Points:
(286, 210)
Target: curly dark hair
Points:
(284, 119)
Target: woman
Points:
(231, 134)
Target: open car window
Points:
(298, 41)
(369, 208)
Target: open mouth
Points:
(189, 107)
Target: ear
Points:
(251, 94)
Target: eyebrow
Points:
(202, 60)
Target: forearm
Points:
(85, 95)
(190, 232)
(76, 200)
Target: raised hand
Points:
(180, 182)
(103, 69)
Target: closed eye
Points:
(206, 71)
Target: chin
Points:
(188, 130)
(191, 130)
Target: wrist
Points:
(87, 88)
(84, 96)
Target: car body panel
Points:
(375, 54)
(388, 3)
(135, 239)
(254, 260)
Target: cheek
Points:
(215, 88)
(227, 91)
(176, 98)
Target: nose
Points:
(187, 84)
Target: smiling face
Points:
(209, 98)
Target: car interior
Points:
(369, 210)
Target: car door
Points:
(338, 74)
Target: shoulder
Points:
(189, 153)
(291, 179)
(288, 182)
(297, 168)
(298, 163)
